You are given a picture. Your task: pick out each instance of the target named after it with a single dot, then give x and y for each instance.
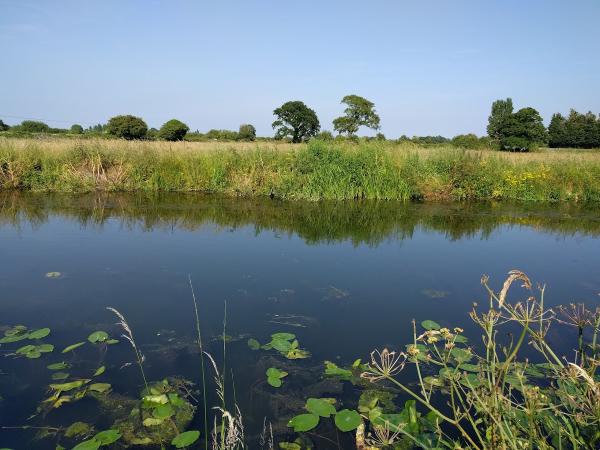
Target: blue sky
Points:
(431, 67)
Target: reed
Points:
(315, 171)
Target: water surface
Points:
(344, 277)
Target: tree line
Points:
(295, 122)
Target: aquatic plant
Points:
(275, 376)
(201, 349)
(495, 400)
(128, 334)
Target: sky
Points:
(430, 66)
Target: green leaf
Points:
(58, 376)
(430, 325)
(276, 373)
(283, 336)
(281, 345)
(332, 369)
(98, 336)
(320, 407)
(39, 334)
(13, 338)
(185, 439)
(303, 422)
(461, 355)
(274, 381)
(64, 387)
(99, 371)
(112, 341)
(99, 387)
(163, 411)
(59, 366)
(73, 347)
(289, 446)
(347, 420)
(77, 429)
(33, 355)
(152, 422)
(25, 349)
(45, 348)
(253, 344)
(91, 444)
(107, 437)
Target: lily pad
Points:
(430, 325)
(99, 371)
(53, 275)
(64, 387)
(347, 420)
(72, 347)
(39, 334)
(99, 387)
(98, 336)
(283, 336)
(90, 444)
(59, 376)
(185, 439)
(77, 429)
(320, 407)
(163, 411)
(303, 422)
(253, 344)
(59, 366)
(107, 437)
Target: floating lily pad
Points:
(72, 347)
(99, 371)
(98, 336)
(59, 376)
(283, 336)
(303, 422)
(319, 406)
(90, 444)
(253, 344)
(59, 366)
(430, 325)
(185, 439)
(99, 387)
(39, 334)
(163, 411)
(347, 420)
(64, 387)
(53, 275)
(77, 429)
(108, 437)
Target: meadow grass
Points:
(314, 171)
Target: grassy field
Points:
(314, 171)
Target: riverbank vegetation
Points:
(314, 171)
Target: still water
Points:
(345, 278)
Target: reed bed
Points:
(314, 171)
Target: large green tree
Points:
(577, 130)
(127, 127)
(247, 132)
(296, 121)
(502, 111)
(523, 131)
(359, 112)
(173, 130)
(557, 131)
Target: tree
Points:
(295, 120)
(247, 132)
(359, 112)
(173, 130)
(557, 131)
(3, 126)
(76, 129)
(523, 131)
(502, 111)
(127, 127)
(32, 126)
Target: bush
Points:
(470, 141)
(3, 126)
(247, 132)
(221, 135)
(76, 129)
(127, 127)
(325, 136)
(33, 126)
(173, 130)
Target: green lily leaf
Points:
(98, 336)
(304, 422)
(430, 325)
(39, 334)
(253, 344)
(320, 407)
(185, 439)
(347, 420)
(107, 437)
(72, 347)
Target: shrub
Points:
(33, 126)
(76, 129)
(325, 135)
(127, 127)
(3, 126)
(173, 130)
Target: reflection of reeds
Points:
(204, 400)
(128, 334)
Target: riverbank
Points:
(314, 171)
